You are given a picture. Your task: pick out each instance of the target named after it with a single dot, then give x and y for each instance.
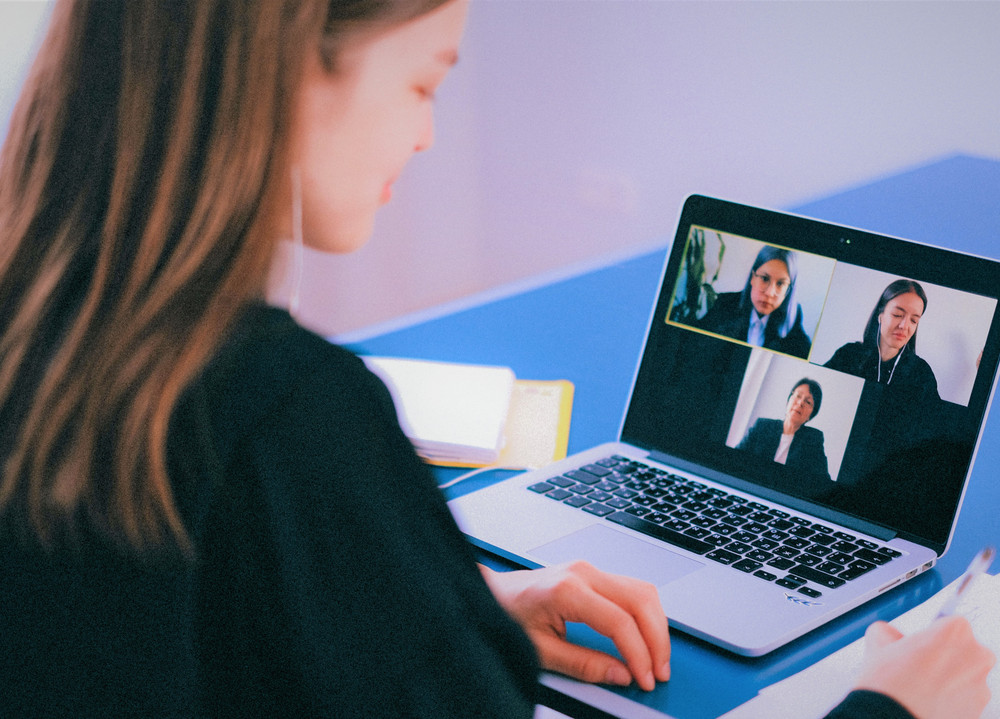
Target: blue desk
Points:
(588, 328)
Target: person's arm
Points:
(866, 704)
(938, 673)
(627, 610)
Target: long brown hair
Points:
(133, 187)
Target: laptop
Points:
(770, 479)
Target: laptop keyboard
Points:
(769, 543)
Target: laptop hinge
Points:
(831, 515)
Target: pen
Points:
(980, 563)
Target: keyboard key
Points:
(819, 550)
(870, 556)
(581, 489)
(596, 470)
(790, 582)
(722, 556)
(810, 592)
(582, 477)
(816, 576)
(559, 494)
(695, 506)
(600, 510)
(577, 501)
(562, 482)
(747, 565)
(637, 511)
(541, 487)
(767, 576)
(845, 546)
(797, 543)
(844, 536)
(655, 530)
(759, 555)
(618, 503)
(664, 507)
(856, 570)
(781, 563)
(889, 552)
(739, 547)
(822, 528)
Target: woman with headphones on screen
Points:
(887, 352)
(206, 509)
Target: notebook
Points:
(769, 478)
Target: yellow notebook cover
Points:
(537, 428)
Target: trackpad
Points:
(617, 552)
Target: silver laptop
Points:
(789, 449)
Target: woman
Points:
(887, 352)
(766, 313)
(789, 441)
(205, 509)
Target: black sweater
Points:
(331, 579)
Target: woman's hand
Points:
(938, 673)
(627, 610)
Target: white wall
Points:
(573, 129)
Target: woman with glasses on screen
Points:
(765, 313)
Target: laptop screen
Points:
(848, 370)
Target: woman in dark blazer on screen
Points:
(789, 442)
(765, 313)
